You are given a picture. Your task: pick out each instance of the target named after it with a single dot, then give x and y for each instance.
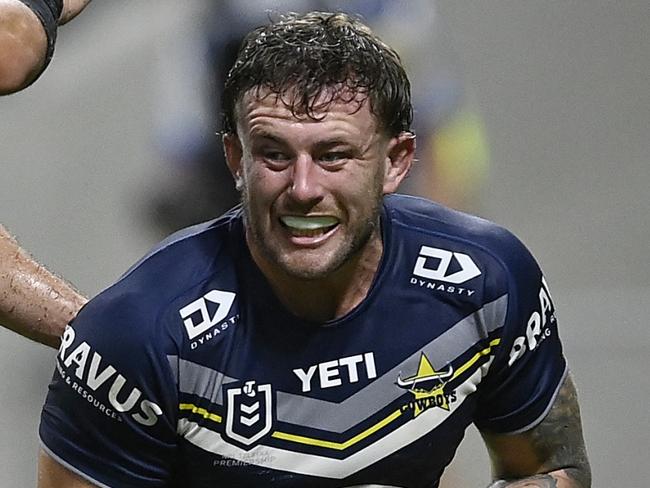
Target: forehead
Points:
(260, 109)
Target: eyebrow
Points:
(268, 135)
(320, 145)
(331, 143)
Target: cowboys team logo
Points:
(249, 412)
(427, 387)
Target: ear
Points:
(233, 150)
(401, 153)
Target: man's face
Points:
(311, 189)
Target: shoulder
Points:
(136, 305)
(419, 215)
(420, 220)
(189, 254)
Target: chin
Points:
(308, 271)
(314, 265)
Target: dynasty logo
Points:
(442, 271)
(427, 387)
(204, 319)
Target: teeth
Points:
(309, 223)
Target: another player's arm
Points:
(551, 455)
(24, 43)
(33, 302)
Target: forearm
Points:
(33, 302)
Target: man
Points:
(326, 333)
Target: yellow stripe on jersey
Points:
(476, 357)
(339, 446)
(200, 411)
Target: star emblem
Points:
(427, 384)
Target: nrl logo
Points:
(249, 413)
(427, 387)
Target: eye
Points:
(333, 157)
(276, 160)
(276, 156)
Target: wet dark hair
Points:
(302, 57)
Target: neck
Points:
(330, 297)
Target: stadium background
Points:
(563, 91)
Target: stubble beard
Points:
(316, 268)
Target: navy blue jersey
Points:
(189, 372)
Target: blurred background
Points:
(533, 114)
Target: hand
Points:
(72, 8)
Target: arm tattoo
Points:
(558, 438)
(550, 453)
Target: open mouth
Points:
(309, 226)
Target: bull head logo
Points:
(427, 386)
(427, 379)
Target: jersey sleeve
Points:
(529, 368)
(109, 415)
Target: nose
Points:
(305, 181)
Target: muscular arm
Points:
(33, 302)
(52, 475)
(23, 43)
(551, 455)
